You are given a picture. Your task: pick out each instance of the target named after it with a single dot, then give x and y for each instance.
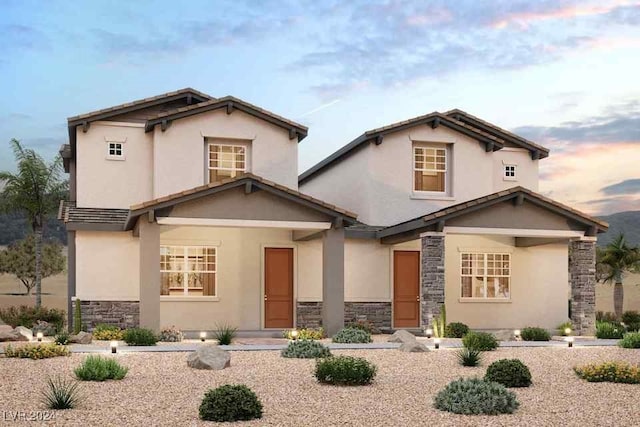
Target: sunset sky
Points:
(565, 74)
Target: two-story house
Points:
(187, 210)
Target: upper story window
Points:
(485, 275)
(188, 271)
(430, 169)
(115, 151)
(510, 173)
(226, 161)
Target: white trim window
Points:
(115, 150)
(226, 161)
(509, 172)
(430, 169)
(485, 275)
(188, 271)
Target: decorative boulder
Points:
(402, 336)
(81, 338)
(25, 333)
(46, 328)
(413, 347)
(503, 334)
(10, 335)
(209, 357)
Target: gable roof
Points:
(491, 140)
(430, 222)
(249, 181)
(230, 103)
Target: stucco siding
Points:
(526, 169)
(367, 272)
(107, 266)
(179, 151)
(104, 183)
(539, 285)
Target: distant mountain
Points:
(627, 223)
(13, 226)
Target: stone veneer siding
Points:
(582, 273)
(125, 314)
(432, 276)
(309, 314)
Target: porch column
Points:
(333, 280)
(582, 273)
(432, 261)
(149, 232)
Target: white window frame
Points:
(116, 145)
(209, 167)
(185, 272)
(485, 276)
(414, 169)
(506, 172)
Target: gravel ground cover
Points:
(161, 390)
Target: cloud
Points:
(628, 186)
(19, 37)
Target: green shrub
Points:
(633, 327)
(609, 330)
(468, 357)
(61, 394)
(509, 373)
(139, 336)
(475, 396)
(171, 334)
(28, 316)
(345, 370)
(456, 330)
(225, 334)
(350, 335)
(481, 341)
(631, 316)
(304, 334)
(306, 349)
(96, 368)
(630, 340)
(105, 332)
(230, 403)
(562, 326)
(62, 338)
(535, 334)
(602, 316)
(36, 351)
(364, 325)
(615, 372)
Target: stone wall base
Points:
(125, 314)
(309, 314)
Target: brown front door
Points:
(278, 288)
(406, 289)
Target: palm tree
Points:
(616, 259)
(35, 189)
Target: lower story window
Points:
(188, 271)
(485, 275)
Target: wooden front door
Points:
(406, 289)
(278, 288)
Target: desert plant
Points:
(345, 370)
(28, 316)
(96, 368)
(509, 373)
(77, 317)
(106, 332)
(61, 393)
(481, 341)
(36, 351)
(225, 334)
(62, 338)
(617, 259)
(475, 396)
(468, 357)
(562, 326)
(605, 316)
(350, 335)
(230, 403)
(171, 334)
(609, 330)
(631, 316)
(440, 323)
(365, 325)
(630, 340)
(456, 330)
(306, 349)
(139, 336)
(615, 372)
(535, 334)
(304, 334)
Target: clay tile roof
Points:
(70, 213)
